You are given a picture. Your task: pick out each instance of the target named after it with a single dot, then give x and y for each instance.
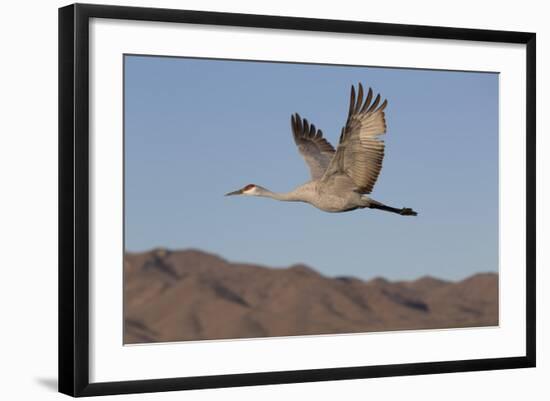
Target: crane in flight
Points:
(341, 179)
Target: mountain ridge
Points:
(194, 295)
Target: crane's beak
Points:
(237, 192)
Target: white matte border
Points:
(111, 361)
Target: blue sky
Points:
(196, 129)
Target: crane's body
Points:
(316, 194)
(341, 178)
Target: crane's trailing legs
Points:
(405, 211)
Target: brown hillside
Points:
(192, 295)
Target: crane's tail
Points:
(405, 211)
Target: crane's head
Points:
(249, 190)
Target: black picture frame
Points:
(74, 198)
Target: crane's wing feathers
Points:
(316, 150)
(360, 151)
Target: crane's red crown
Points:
(249, 186)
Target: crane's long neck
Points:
(292, 196)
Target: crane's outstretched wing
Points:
(316, 150)
(358, 159)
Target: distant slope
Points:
(192, 295)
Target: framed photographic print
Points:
(250, 199)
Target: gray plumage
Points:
(341, 178)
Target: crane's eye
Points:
(248, 187)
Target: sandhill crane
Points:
(341, 179)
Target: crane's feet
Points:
(407, 211)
